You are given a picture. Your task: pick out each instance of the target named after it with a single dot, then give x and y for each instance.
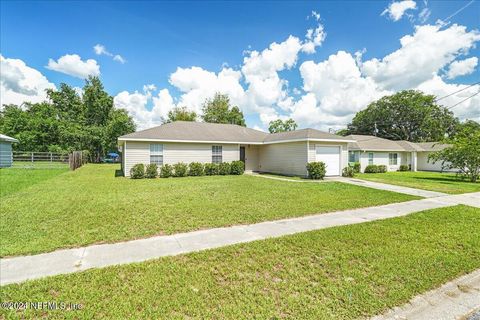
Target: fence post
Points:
(51, 157)
(32, 157)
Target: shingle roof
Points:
(7, 138)
(199, 131)
(303, 134)
(202, 131)
(372, 143)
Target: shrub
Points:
(316, 170)
(224, 168)
(196, 169)
(356, 167)
(166, 171)
(151, 171)
(137, 171)
(404, 167)
(237, 167)
(181, 169)
(211, 169)
(348, 172)
(371, 168)
(382, 168)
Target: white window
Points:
(393, 159)
(156, 153)
(353, 156)
(216, 154)
(370, 158)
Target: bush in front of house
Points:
(404, 167)
(166, 171)
(348, 172)
(224, 168)
(137, 171)
(237, 167)
(356, 167)
(371, 168)
(382, 168)
(151, 171)
(316, 170)
(196, 169)
(211, 169)
(181, 169)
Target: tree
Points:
(407, 115)
(463, 153)
(282, 126)
(180, 114)
(219, 110)
(68, 121)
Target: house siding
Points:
(424, 165)
(252, 157)
(284, 158)
(5, 154)
(381, 158)
(139, 152)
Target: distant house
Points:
(6, 155)
(284, 153)
(374, 150)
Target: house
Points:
(283, 153)
(6, 155)
(374, 150)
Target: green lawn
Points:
(13, 180)
(91, 205)
(434, 181)
(345, 272)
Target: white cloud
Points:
(20, 83)
(100, 49)
(396, 10)
(119, 58)
(469, 109)
(73, 65)
(424, 14)
(421, 55)
(314, 15)
(462, 67)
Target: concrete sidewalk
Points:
(18, 269)
(453, 300)
(390, 187)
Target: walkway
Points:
(391, 187)
(19, 269)
(453, 300)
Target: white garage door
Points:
(331, 157)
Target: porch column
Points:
(414, 161)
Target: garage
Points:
(330, 155)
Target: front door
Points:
(242, 154)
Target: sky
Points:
(315, 62)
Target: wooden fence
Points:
(45, 160)
(76, 159)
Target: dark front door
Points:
(242, 154)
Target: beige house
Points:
(284, 153)
(373, 150)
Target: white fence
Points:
(39, 159)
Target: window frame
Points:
(217, 154)
(393, 157)
(370, 160)
(356, 156)
(156, 154)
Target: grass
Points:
(13, 180)
(91, 205)
(344, 272)
(433, 181)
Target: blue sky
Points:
(320, 89)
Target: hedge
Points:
(316, 170)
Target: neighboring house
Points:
(285, 153)
(6, 155)
(374, 150)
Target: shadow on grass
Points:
(118, 173)
(445, 180)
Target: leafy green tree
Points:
(463, 153)
(282, 126)
(180, 114)
(219, 110)
(68, 121)
(407, 115)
